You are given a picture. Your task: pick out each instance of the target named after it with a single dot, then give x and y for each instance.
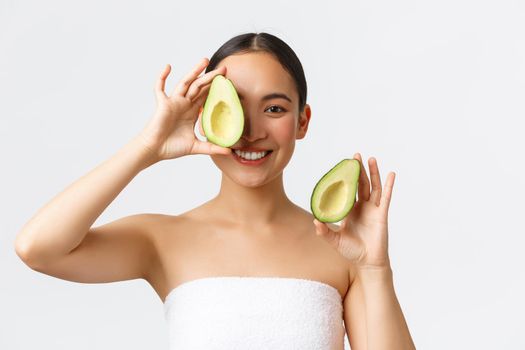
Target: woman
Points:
(248, 268)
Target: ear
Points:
(199, 121)
(304, 120)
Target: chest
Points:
(189, 253)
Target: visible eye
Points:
(280, 109)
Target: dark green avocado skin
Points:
(324, 177)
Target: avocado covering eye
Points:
(222, 115)
(334, 194)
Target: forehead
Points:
(258, 73)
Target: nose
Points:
(253, 128)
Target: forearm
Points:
(386, 325)
(61, 224)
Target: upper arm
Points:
(354, 314)
(119, 250)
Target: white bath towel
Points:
(234, 312)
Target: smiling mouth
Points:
(251, 156)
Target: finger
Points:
(344, 222)
(387, 193)
(182, 87)
(161, 81)
(198, 101)
(322, 230)
(204, 147)
(196, 109)
(205, 80)
(375, 196)
(364, 184)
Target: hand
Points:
(170, 133)
(362, 237)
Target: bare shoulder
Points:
(170, 235)
(152, 223)
(158, 227)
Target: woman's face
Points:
(271, 123)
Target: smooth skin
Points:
(250, 228)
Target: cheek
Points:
(284, 131)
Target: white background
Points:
(433, 89)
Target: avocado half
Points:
(222, 115)
(334, 194)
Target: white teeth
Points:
(250, 155)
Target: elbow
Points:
(21, 249)
(24, 252)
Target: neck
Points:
(249, 206)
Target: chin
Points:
(246, 180)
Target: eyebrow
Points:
(270, 96)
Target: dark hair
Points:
(253, 42)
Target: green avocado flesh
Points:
(222, 115)
(334, 194)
